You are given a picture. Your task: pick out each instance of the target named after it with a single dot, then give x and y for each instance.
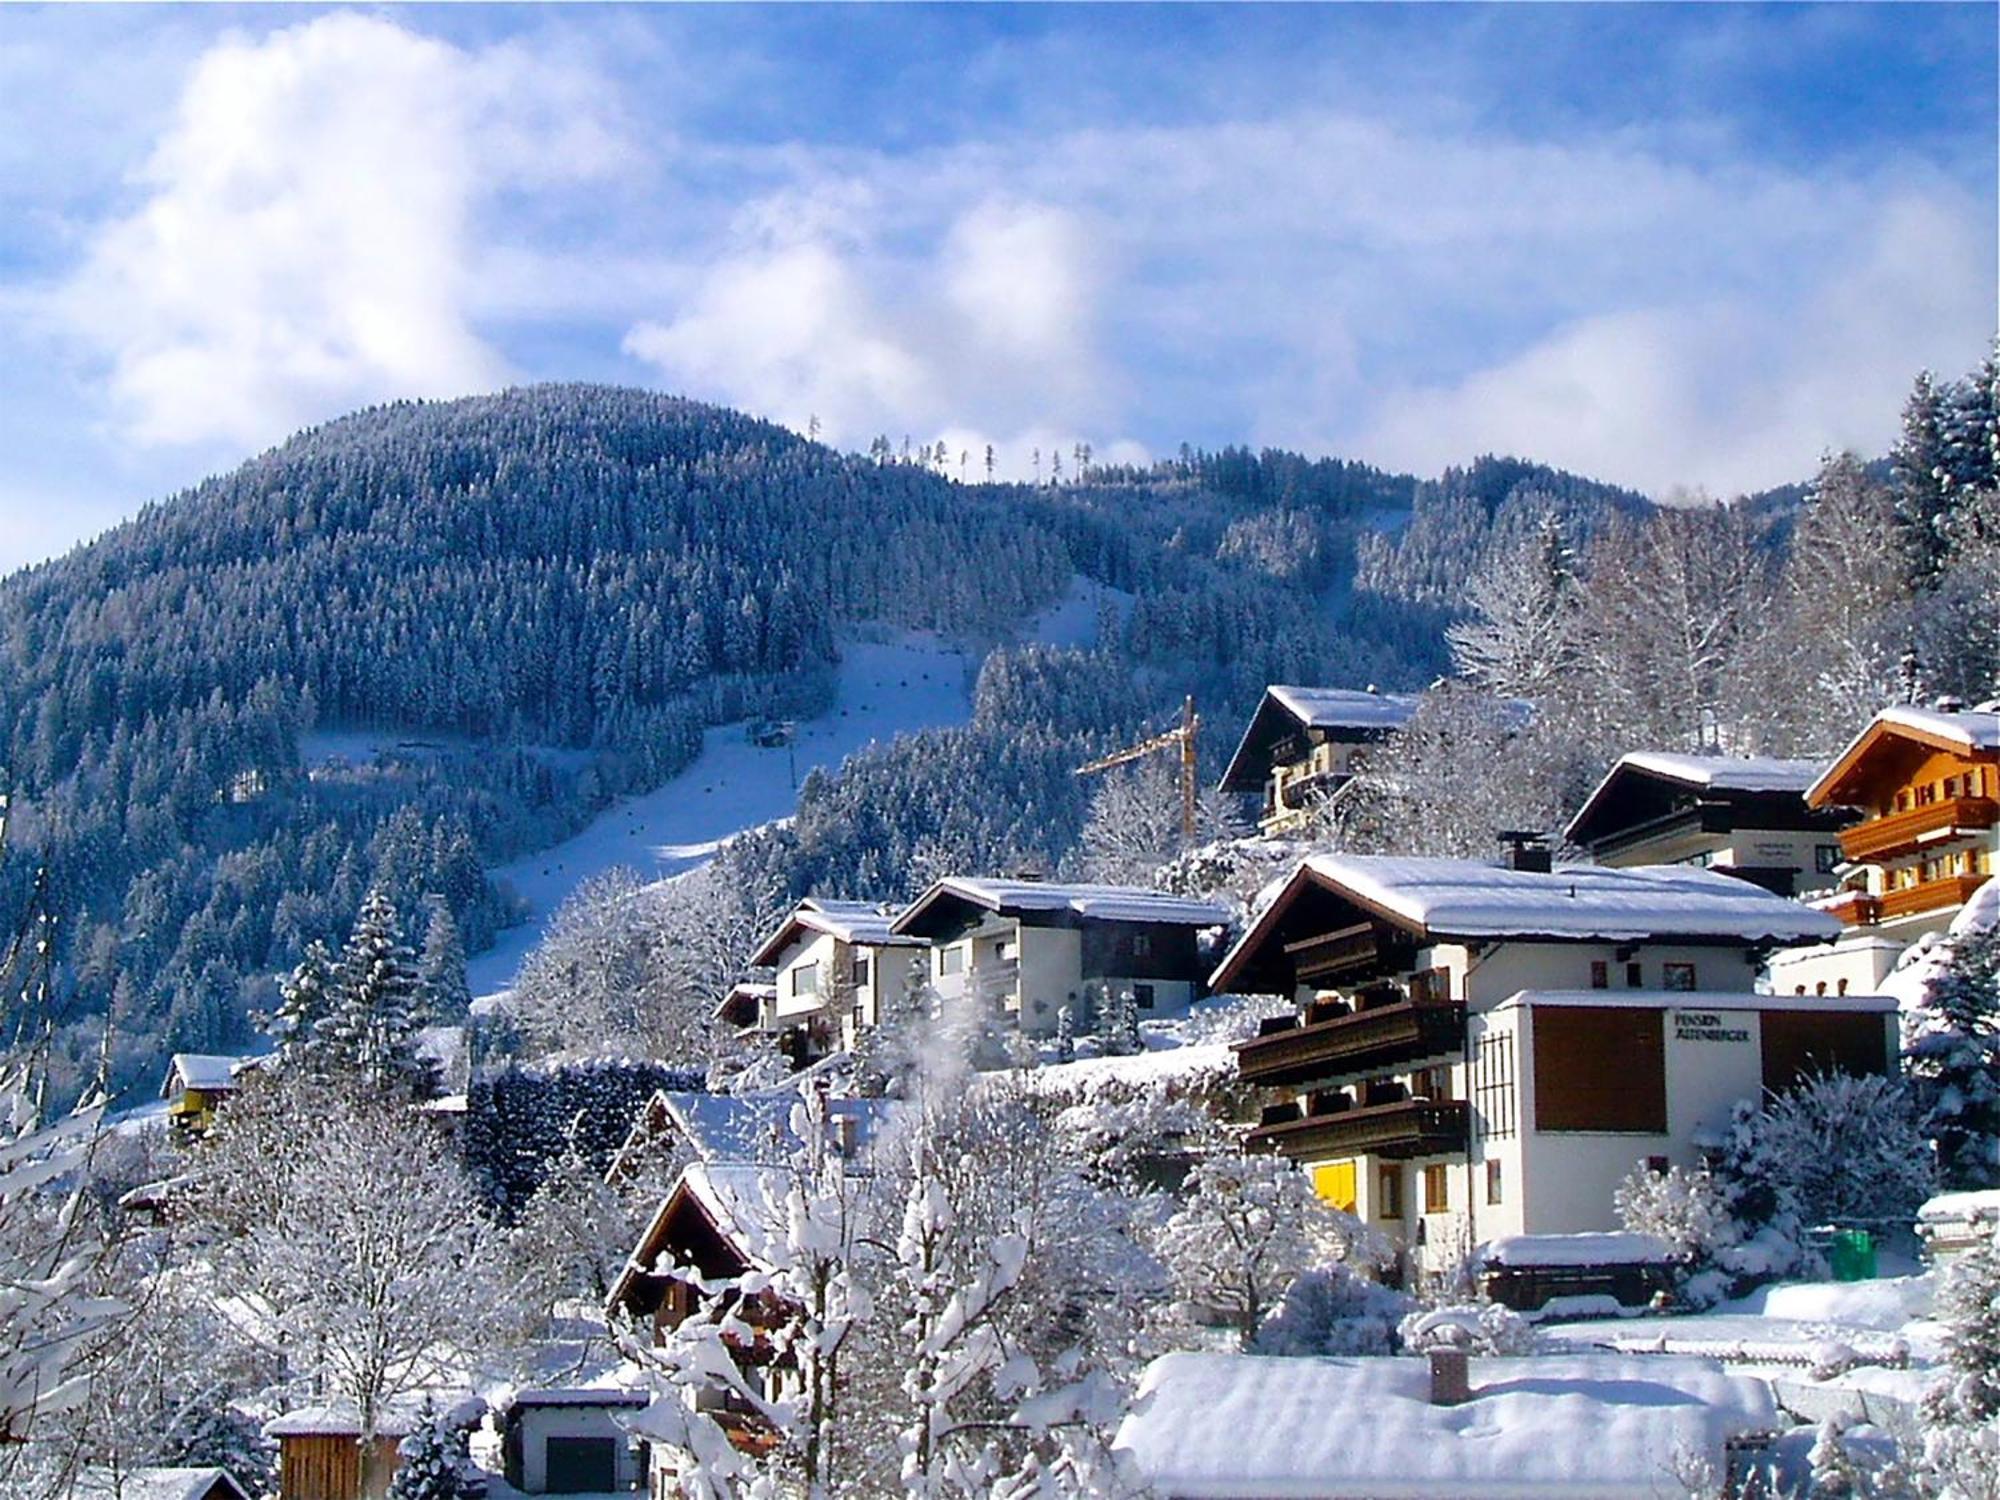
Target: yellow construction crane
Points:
(1182, 735)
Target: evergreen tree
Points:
(1954, 1062)
(432, 1461)
(305, 1005)
(441, 982)
(1920, 470)
(372, 1024)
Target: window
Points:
(1492, 1179)
(1142, 996)
(1826, 858)
(1600, 974)
(1437, 1188)
(859, 972)
(805, 980)
(1600, 1068)
(1334, 1183)
(1433, 1084)
(951, 960)
(1635, 977)
(1493, 1085)
(1657, 1165)
(1389, 1193)
(1677, 976)
(1142, 944)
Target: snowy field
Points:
(885, 689)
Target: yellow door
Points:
(1334, 1181)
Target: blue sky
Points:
(1682, 247)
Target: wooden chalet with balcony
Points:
(1927, 781)
(1745, 817)
(1481, 1052)
(1303, 743)
(1028, 949)
(840, 966)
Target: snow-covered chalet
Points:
(1305, 742)
(1028, 949)
(1483, 1052)
(840, 967)
(1928, 783)
(1747, 817)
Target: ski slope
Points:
(884, 689)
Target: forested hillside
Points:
(548, 593)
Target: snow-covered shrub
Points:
(1688, 1212)
(1475, 1327)
(1833, 1149)
(1249, 1227)
(1331, 1310)
(1968, 1305)
(1952, 1043)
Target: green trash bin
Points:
(1850, 1255)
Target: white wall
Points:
(1051, 977)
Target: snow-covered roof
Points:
(1727, 773)
(758, 1127)
(200, 1070)
(1721, 1000)
(582, 1395)
(1444, 899)
(746, 1200)
(859, 922)
(1345, 708)
(155, 1484)
(1102, 903)
(1606, 1426)
(1977, 730)
(337, 1419)
(1598, 1249)
(1981, 1206)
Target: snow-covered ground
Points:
(885, 689)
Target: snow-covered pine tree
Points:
(441, 983)
(1919, 469)
(305, 1001)
(1953, 1050)
(432, 1461)
(371, 1026)
(1066, 1033)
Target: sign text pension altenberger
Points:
(1706, 1026)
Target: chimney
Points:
(1451, 1378)
(1526, 850)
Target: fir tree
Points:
(1919, 472)
(432, 1461)
(371, 1027)
(1954, 1057)
(1066, 1033)
(441, 982)
(305, 1003)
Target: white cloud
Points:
(309, 229)
(985, 331)
(1725, 395)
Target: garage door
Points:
(579, 1465)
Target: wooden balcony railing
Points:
(1903, 832)
(1367, 1039)
(1413, 1127)
(1928, 895)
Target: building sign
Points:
(1707, 1026)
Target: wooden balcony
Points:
(1928, 895)
(1413, 1127)
(1907, 831)
(1365, 1040)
